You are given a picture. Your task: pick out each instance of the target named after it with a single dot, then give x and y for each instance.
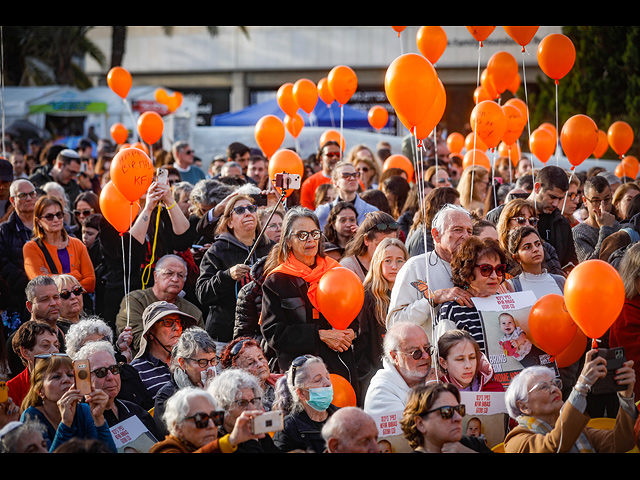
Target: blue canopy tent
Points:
(322, 116)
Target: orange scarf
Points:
(293, 266)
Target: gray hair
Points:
(209, 192)
(78, 332)
(293, 214)
(13, 188)
(35, 282)
(161, 261)
(225, 388)
(192, 341)
(441, 218)
(91, 348)
(181, 187)
(178, 405)
(629, 269)
(225, 168)
(518, 390)
(179, 145)
(397, 332)
(287, 398)
(10, 440)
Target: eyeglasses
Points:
(302, 235)
(189, 152)
(350, 175)
(103, 371)
(249, 208)
(171, 274)
(83, 213)
(418, 353)
(596, 201)
(444, 180)
(204, 362)
(486, 269)
(50, 216)
(201, 419)
(170, 322)
(23, 195)
(363, 169)
(383, 227)
(256, 402)
(66, 294)
(533, 221)
(547, 386)
(447, 411)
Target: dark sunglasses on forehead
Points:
(201, 419)
(486, 269)
(102, 372)
(383, 227)
(446, 412)
(66, 294)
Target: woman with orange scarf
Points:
(291, 322)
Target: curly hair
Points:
(465, 258)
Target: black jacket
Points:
(216, 289)
(13, 236)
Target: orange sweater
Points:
(81, 266)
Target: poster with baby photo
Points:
(509, 345)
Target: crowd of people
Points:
(202, 330)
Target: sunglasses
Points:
(418, 353)
(201, 419)
(235, 350)
(249, 208)
(302, 235)
(50, 216)
(66, 294)
(332, 154)
(351, 175)
(83, 213)
(446, 412)
(297, 363)
(170, 322)
(486, 270)
(533, 221)
(383, 227)
(102, 372)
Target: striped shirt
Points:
(153, 372)
(453, 315)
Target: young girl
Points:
(464, 364)
(526, 248)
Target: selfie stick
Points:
(264, 227)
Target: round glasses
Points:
(419, 352)
(486, 269)
(204, 362)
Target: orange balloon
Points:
(269, 133)
(140, 146)
(551, 129)
(343, 83)
(119, 81)
(343, 393)
(332, 135)
(476, 157)
(324, 92)
(626, 170)
(630, 160)
(620, 137)
(556, 55)
(340, 296)
(433, 116)
(502, 68)
(411, 85)
(542, 144)
(489, 122)
(550, 324)
(305, 93)
(487, 83)
(515, 84)
(480, 94)
(378, 117)
(294, 124)
(472, 142)
(174, 101)
(481, 33)
(432, 42)
(520, 105)
(399, 161)
(510, 151)
(579, 137)
(119, 133)
(150, 127)
(521, 35)
(574, 351)
(132, 172)
(515, 124)
(286, 101)
(594, 295)
(602, 146)
(162, 96)
(399, 29)
(116, 208)
(455, 142)
(285, 161)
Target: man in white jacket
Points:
(429, 274)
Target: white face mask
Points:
(207, 375)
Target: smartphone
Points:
(287, 181)
(615, 358)
(82, 374)
(163, 176)
(259, 199)
(267, 422)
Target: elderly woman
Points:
(291, 320)
(237, 391)
(52, 250)
(226, 265)
(547, 424)
(245, 353)
(71, 298)
(304, 395)
(374, 228)
(60, 407)
(479, 267)
(432, 421)
(23, 437)
(192, 417)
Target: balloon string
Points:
(124, 272)
(4, 145)
(557, 128)
(526, 98)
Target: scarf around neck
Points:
(582, 444)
